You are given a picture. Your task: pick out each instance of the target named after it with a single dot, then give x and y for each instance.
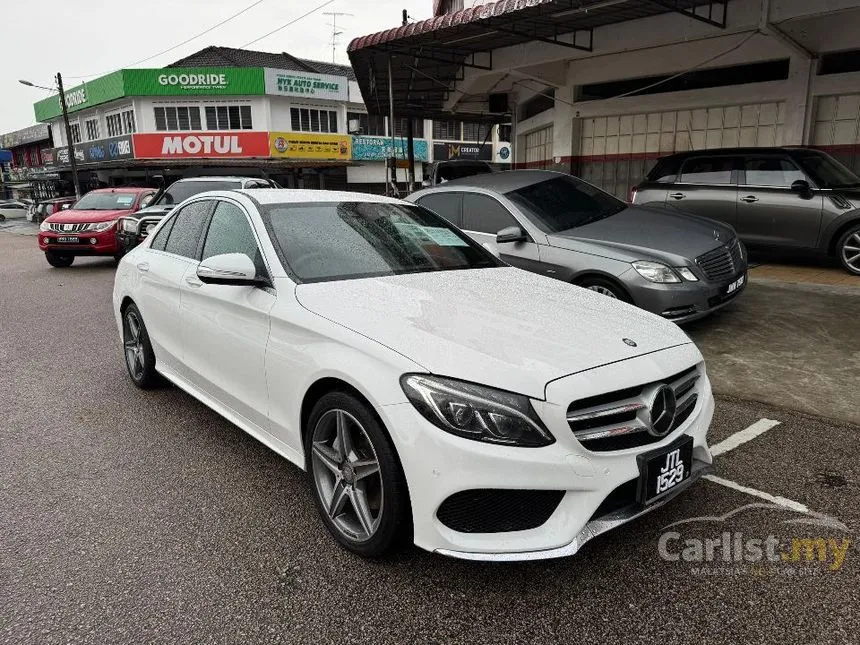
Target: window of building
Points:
(228, 117)
(446, 130)
(539, 148)
(368, 124)
(92, 128)
(120, 123)
(477, 132)
(76, 132)
(171, 117)
(505, 132)
(313, 120)
(417, 127)
(541, 102)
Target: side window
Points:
(485, 215)
(230, 232)
(445, 205)
(771, 171)
(188, 228)
(664, 172)
(160, 239)
(708, 170)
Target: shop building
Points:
(24, 162)
(602, 88)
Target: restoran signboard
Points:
(281, 82)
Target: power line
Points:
(184, 42)
(291, 22)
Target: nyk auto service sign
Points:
(211, 145)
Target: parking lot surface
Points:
(143, 517)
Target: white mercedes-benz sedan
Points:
(432, 393)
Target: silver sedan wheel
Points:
(347, 475)
(133, 343)
(602, 290)
(851, 252)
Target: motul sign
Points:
(173, 145)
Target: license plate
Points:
(737, 284)
(663, 470)
(68, 239)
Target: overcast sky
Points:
(82, 37)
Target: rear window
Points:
(182, 190)
(708, 170)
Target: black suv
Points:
(786, 198)
(133, 229)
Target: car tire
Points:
(117, 257)
(848, 250)
(604, 287)
(137, 349)
(367, 511)
(59, 260)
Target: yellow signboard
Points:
(309, 145)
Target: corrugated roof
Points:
(231, 57)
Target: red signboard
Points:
(201, 145)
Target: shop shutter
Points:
(836, 127)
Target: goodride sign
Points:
(194, 81)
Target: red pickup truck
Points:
(88, 227)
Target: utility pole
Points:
(334, 32)
(69, 142)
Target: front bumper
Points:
(438, 465)
(91, 243)
(682, 302)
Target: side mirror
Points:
(511, 234)
(492, 249)
(235, 269)
(801, 187)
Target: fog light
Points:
(93, 240)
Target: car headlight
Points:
(655, 272)
(102, 226)
(44, 226)
(687, 274)
(129, 225)
(476, 411)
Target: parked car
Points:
(13, 209)
(679, 267)
(47, 207)
(441, 171)
(88, 227)
(134, 228)
(432, 393)
(794, 199)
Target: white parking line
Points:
(748, 434)
(773, 499)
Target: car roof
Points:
(266, 196)
(501, 182)
(737, 151)
(220, 178)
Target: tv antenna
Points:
(334, 32)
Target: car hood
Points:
(156, 211)
(641, 233)
(76, 217)
(501, 327)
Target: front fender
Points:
(829, 234)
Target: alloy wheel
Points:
(851, 251)
(133, 342)
(604, 291)
(347, 475)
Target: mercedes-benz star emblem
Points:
(630, 342)
(663, 407)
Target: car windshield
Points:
(563, 203)
(182, 190)
(345, 240)
(826, 171)
(105, 202)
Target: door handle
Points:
(749, 199)
(143, 266)
(677, 195)
(193, 281)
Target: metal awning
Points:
(428, 57)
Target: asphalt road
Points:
(132, 517)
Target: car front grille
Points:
(621, 419)
(492, 510)
(68, 228)
(723, 262)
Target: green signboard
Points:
(195, 81)
(101, 90)
(180, 81)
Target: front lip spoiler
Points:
(591, 530)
